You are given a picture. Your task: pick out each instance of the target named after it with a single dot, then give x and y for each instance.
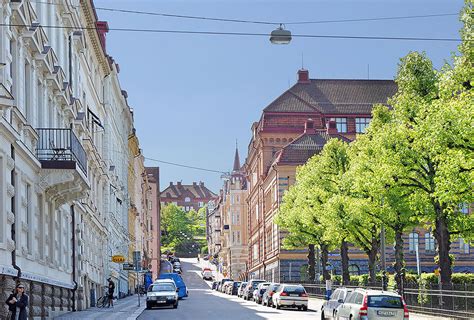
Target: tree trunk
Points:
(372, 255)
(441, 234)
(345, 262)
(311, 262)
(399, 260)
(324, 261)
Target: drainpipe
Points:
(13, 231)
(73, 222)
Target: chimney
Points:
(309, 127)
(171, 183)
(331, 127)
(194, 184)
(179, 183)
(303, 76)
(102, 29)
(201, 183)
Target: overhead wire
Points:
(222, 33)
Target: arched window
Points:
(429, 242)
(412, 242)
(187, 199)
(354, 270)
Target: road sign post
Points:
(136, 264)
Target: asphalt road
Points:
(203, 303)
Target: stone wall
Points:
(43, 298)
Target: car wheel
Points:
(305, 308)
(175, 306)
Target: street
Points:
(203, 303)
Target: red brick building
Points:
(188, 196)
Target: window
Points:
(201, 204)
(362, 124)
(256, 211)
(429, 242)
(464, 208)
(238, 237)
(413, 242)
(187, 199)
(463, 246)
(233, 237)
(354, 270)
(232, 199)
(341, 124)
(236, 218)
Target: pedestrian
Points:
(17, 303)
(111, 292)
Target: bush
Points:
(463, 278)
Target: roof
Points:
(334, 96)
(194, 191)
(304, 147)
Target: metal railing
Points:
(56, 144)
(426, 299)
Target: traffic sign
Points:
(128, 266)
(118, 258)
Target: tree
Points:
(176, 227)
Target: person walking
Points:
(111, 292)
(17, 303)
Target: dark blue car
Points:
(183, 290)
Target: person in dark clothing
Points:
(111, 292)
(17, 303)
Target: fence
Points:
(427, 299)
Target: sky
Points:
(194, 96)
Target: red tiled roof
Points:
(195, 191)
(334, 96)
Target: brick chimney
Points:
(303, 76)
(179, 183)
(309, 127)
(201, 183)
(171, 183)
(331, 127)
(102, 29)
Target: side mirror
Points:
(177, 289)
(340, 301)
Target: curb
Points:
(137, 313)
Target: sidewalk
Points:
(126, 308)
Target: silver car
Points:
(290, 295)
(364, 304)
(330, 308)
(162, 293)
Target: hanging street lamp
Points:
(280, 35)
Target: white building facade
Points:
(64, 123)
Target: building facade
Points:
(64, 124)
(188, 197)
(291, 129)
(154, 202)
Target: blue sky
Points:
(194, 95)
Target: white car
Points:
(364, 304)
(290, 295)
(162, 293)
(207, 275)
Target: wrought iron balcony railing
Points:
(60, 149)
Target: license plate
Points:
(386, 313)
(161, 301)
(294, 295)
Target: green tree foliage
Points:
(176, 227)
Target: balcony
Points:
(64, 165)
(60, 149)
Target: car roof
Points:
(371, 292)
(164, 281)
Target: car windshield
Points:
(294, 289)
(255, 284)
(162, 287)
(385, 302)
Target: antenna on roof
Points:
(302, 60)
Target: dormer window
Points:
(187, 199)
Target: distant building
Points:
(188, 196)
(155, 206)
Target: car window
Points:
(162, 287)
(294, 289)
(335, 294)
(350, 297)
(385, 302)
(359, 298)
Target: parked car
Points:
(183, 290)
(177, 269)
(214, 285)
(241, 288)
(219, 286)
(225, 285)
(228, 287)
(162, 293)
(267, 296)
(330, 307)
(249, 289)
(364, 304)
(234, 288)
(258, 294)
(290, 295)
(207, 275)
